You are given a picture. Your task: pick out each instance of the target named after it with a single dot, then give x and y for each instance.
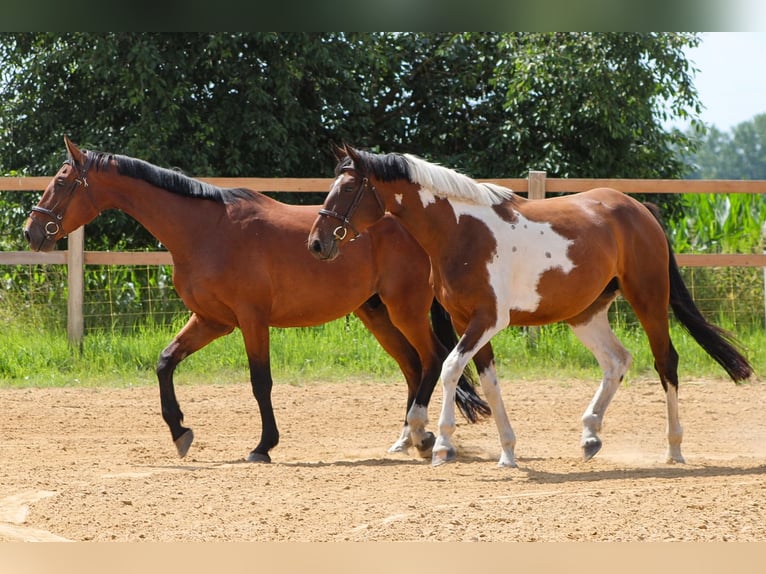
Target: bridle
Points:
(53, 226)
(340, 232)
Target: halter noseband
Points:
(340, 232)
(53, 226)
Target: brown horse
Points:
(240, 260)
(499, 260)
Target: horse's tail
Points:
(471, 405)
(717, 342)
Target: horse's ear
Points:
(353, 155)
(338, 151)
(73, 151)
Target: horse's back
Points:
(599, 214)
(608, 236)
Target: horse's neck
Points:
(430, 224)
(175, 221)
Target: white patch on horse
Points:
(427, 197)
(525, 251)
(398, 197)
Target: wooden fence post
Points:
(535, 190)
(75, 259)
(536, 185)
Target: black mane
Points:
(168, 179)
(385, 167)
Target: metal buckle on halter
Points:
(340, 232)
(336, 233)
(51, 232)
(52, 227)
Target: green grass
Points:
(341, 350)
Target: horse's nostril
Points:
(315, 246)
(26, 235)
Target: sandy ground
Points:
(99, 464)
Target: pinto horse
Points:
(240, 260)
(499, 259)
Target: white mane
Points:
(445, 182)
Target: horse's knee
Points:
(168, 361)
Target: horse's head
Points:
(63, 207)
(352, 205)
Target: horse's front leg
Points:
(474, 342)
(257, 347)
(197, 333)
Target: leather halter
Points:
(53, 226)
(340, 232)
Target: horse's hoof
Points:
(183, 443)
(425, 449)
(675, 458)
(441, 457)
(401, 446)
(590, 448)
(507, 462)
(258, 457)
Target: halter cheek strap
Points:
(52, 227)
(340, 232)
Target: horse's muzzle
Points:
(37, 238)
(324, 250)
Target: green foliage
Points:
(724, 223)
(338, 351)
(739, 154)
(719, 223)
(269, 105)
(591, 105)
(125, 297)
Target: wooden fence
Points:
(535, 186)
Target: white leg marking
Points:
(452, 368)
(417, 419)
(453, 365)
(404, 442)
(675, 431)
(491, 390)
(614, 361)
(414, 432)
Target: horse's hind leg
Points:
(666, 365)
(374, 316)
(614, 360)
(651, 308)
(197, 333)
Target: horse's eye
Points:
(59, 182)
(348, 188)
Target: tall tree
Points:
(267, 104)
(738, 154)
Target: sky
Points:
(731, 82)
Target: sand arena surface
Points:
(99, 464)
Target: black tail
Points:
(471, 405)
(718, 343)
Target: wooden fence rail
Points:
(535, 186)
